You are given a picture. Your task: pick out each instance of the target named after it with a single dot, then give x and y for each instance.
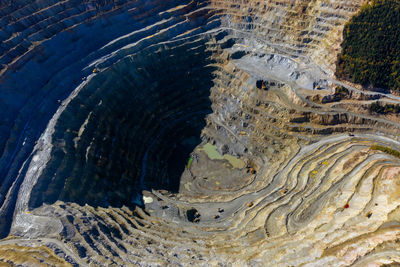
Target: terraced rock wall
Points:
(308, 30)
(175, 133)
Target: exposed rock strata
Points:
(102, 103)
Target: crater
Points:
(179, 133)
(131, 128)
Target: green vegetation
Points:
(342, 91)
(387, 150)
(189, 164)
(371, 46)
(386, 109)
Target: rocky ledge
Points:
(211, 133)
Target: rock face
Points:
(162, 133)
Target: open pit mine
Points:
(191, 133)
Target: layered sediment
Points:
(161, 133)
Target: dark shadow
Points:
(261, 84)
(192, 215)
(132, 128)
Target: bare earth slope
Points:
(176, 133)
